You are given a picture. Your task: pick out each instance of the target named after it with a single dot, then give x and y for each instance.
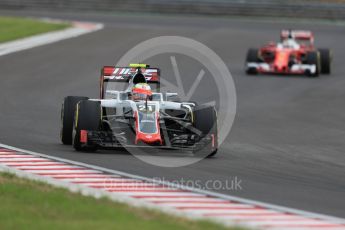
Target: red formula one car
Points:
(294, 54)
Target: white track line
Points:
(14, 156)
(120, 184)
(46, 163)
(86, 180)
(48, 167)
(71, 171)
(81, 176)
(77, 29)
(158, 193)
(32, 159)
(207, 205)
(169, 197)
(109, 181)
(206, 200)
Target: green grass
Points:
(26, 204)
(14, 28)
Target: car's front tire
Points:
(325, 59)
(252, 57)
(313, 58)
(88, 117)
(67, 117)
(205, 120)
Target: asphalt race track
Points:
(288, 139)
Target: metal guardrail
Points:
(274, 8)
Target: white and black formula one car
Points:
(132, 112)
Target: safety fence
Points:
(331, 9)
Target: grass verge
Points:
(27, 204)
(12, 28)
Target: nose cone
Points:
(149, 138)
(147, 128)
(281, 61)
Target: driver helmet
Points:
(141, 91)
(290, 43)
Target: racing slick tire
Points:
(313, 58)
(67, 117)
(87, 117)
(325, 59)
(205, 120)
(252, 56)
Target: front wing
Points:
(109, 140)
(257, 67)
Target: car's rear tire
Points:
(205, 120)
(252, 56)
(88, 117)
(313, 58)
(325, 59)
(67, 117)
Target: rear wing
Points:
(111, 73)
(125, 74)
(297, 34)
